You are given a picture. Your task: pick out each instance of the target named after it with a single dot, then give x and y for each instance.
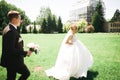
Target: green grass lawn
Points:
(105, 48)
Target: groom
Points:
(12, 49)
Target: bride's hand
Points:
(70, 40)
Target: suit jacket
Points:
(12, 48)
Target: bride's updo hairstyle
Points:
(73, 27)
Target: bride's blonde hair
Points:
(73, 26)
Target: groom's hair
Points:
(13, 14)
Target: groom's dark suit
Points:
(13, 53)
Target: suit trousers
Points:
(12, 71)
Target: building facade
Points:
(112, 27)
(83, 9)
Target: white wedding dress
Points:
(72, 61)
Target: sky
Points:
(58, 7)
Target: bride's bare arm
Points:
(69, 40)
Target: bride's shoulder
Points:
(71, 35)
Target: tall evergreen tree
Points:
(34, 29)
(43, 26)
(60, 25)
(24, 30)
(49, 24)
(98, 23)
(95, 21)
(30, 29)
(54, 25)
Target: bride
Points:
(73, 59)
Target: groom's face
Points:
(18, 20)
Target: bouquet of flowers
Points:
(33, 47)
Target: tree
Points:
(89, 29)
(5, 8)
(30, 29)
(24, 30)
(66, 26)
(81, 25)
(26, 21)
(50, 19)
(60, 25)
(96, 22)
(49, 24)
(54, 25)
(44, 13)
(43, 26)
(34, 29)
(98, 19)
(116, 16)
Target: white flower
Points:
(33, 47)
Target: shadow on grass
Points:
(90, 76)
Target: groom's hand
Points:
(29, 53)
